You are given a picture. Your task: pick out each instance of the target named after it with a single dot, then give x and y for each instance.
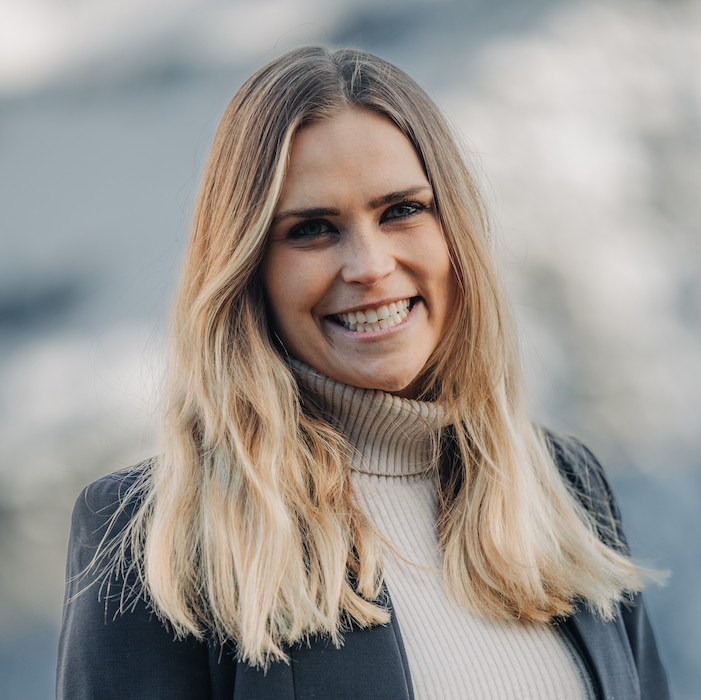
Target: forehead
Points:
(355, 148)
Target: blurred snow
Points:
(583, 119)
(593, 149)
(44, 41)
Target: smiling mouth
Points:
(376, 318)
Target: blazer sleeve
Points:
(105, 652)
(585, 475)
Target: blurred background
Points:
(583, 121)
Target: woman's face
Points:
(356, 272)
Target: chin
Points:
(400, 385)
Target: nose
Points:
(368, 258)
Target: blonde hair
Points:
(246, 525)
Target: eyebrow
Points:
(375, 203)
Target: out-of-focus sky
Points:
(583, 122)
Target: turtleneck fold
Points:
(391, 435)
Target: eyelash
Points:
(297, 232)
(416, 208)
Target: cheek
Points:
(289, 290)
(453, 301)
(448, 299)
(445, 277)
(451, 288)
(275, 287)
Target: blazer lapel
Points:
(371, 664)
(604, 648)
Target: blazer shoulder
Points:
(587, 480)
(113, 645)
(111, 489)
(105, 506)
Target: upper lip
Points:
(371, 305)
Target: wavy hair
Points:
(247, 525)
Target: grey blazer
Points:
(104, 655)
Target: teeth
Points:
(385, 316)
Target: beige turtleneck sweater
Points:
(452, 653)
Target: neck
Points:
(390, 435)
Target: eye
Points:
(310, 229)
(402, 210)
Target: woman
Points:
(346, 449)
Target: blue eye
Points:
(402, 210)
(310, 229)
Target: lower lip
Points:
(382, 333)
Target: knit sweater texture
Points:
(452, 653)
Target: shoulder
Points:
(112, 490)
(106, 505)
(112, 643)
(587, 481)
(101, 515)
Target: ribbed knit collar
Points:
(392, 436)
